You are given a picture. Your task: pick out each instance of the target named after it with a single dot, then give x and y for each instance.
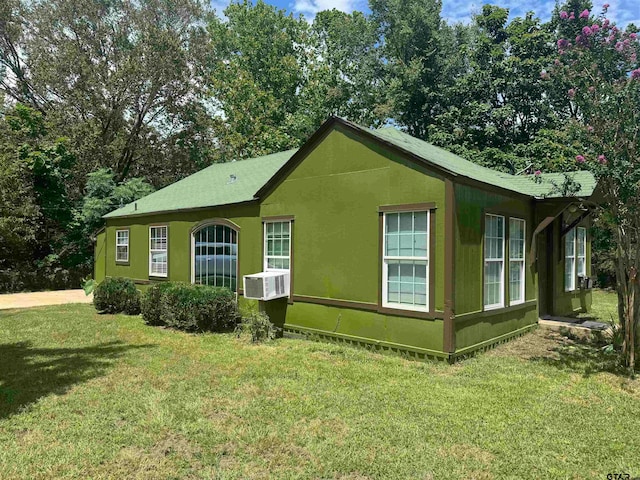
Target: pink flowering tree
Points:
(600, 66)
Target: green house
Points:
(387, 241)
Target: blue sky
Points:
(622, 11)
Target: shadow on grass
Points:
(28, 374)
(584, 354)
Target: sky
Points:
(622, 11)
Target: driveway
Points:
(38, 299)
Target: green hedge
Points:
(192, 308)
(117, 295)
(151, 306)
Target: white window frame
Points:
(386, 258)
(500, 260)
(126, 244)
(518, 260)
(581, 255)
(152, 251)
(572, 287)
(266, 257)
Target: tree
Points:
(260, 59)
(115, 76)
(410, 34)
(601, 64)
(346, 73)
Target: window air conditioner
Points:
(266, 285)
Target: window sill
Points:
(158, 277)
(123, 263)
(493, 307)
(405, 312)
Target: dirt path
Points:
(37, 299)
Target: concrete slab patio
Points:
(38, 299)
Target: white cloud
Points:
(309, 8)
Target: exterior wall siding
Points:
(578, 300)
(472, 325)
(334, 195)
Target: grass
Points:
(604, 307)
(90, 396)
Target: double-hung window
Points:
(158, 258)
(122, 246)
(277, 245)
(406, 260)
(494, 261)
(570, 260)
(516, 260)
(581, 242)
(575, 257)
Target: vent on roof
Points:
(232, 178)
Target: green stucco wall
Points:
(335, 195)
(179, 242)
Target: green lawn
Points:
(90, 396)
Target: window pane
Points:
(393, 245)
(392, 222)
(492, 282)
(420, 244)
(406, 245)
(406, 222)
(582, 268)
(516, 281)
(420, 221)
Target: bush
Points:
(116, 295)
(198, 308)
(151, 303)
(258, 326)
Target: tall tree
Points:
(115, 76)
(260, 57)
(410, 34)
(601, 64)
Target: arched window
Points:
(215, 256)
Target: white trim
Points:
(166, 251)
(386, 259)
(126, 260)
(518, 260)
(266, 257)
(493, 306)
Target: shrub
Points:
(198, 308)
(151, 303)
(115, 295)
(258, 326)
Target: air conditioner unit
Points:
(266, 285)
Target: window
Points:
(406, 260)
(277, 245)
(570, 260)
(582, 251)
(494, 262)
(215, 256)
(516, 260)
(158, 260)
(122, 246)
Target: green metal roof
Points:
(210, 187)
(215, 186)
